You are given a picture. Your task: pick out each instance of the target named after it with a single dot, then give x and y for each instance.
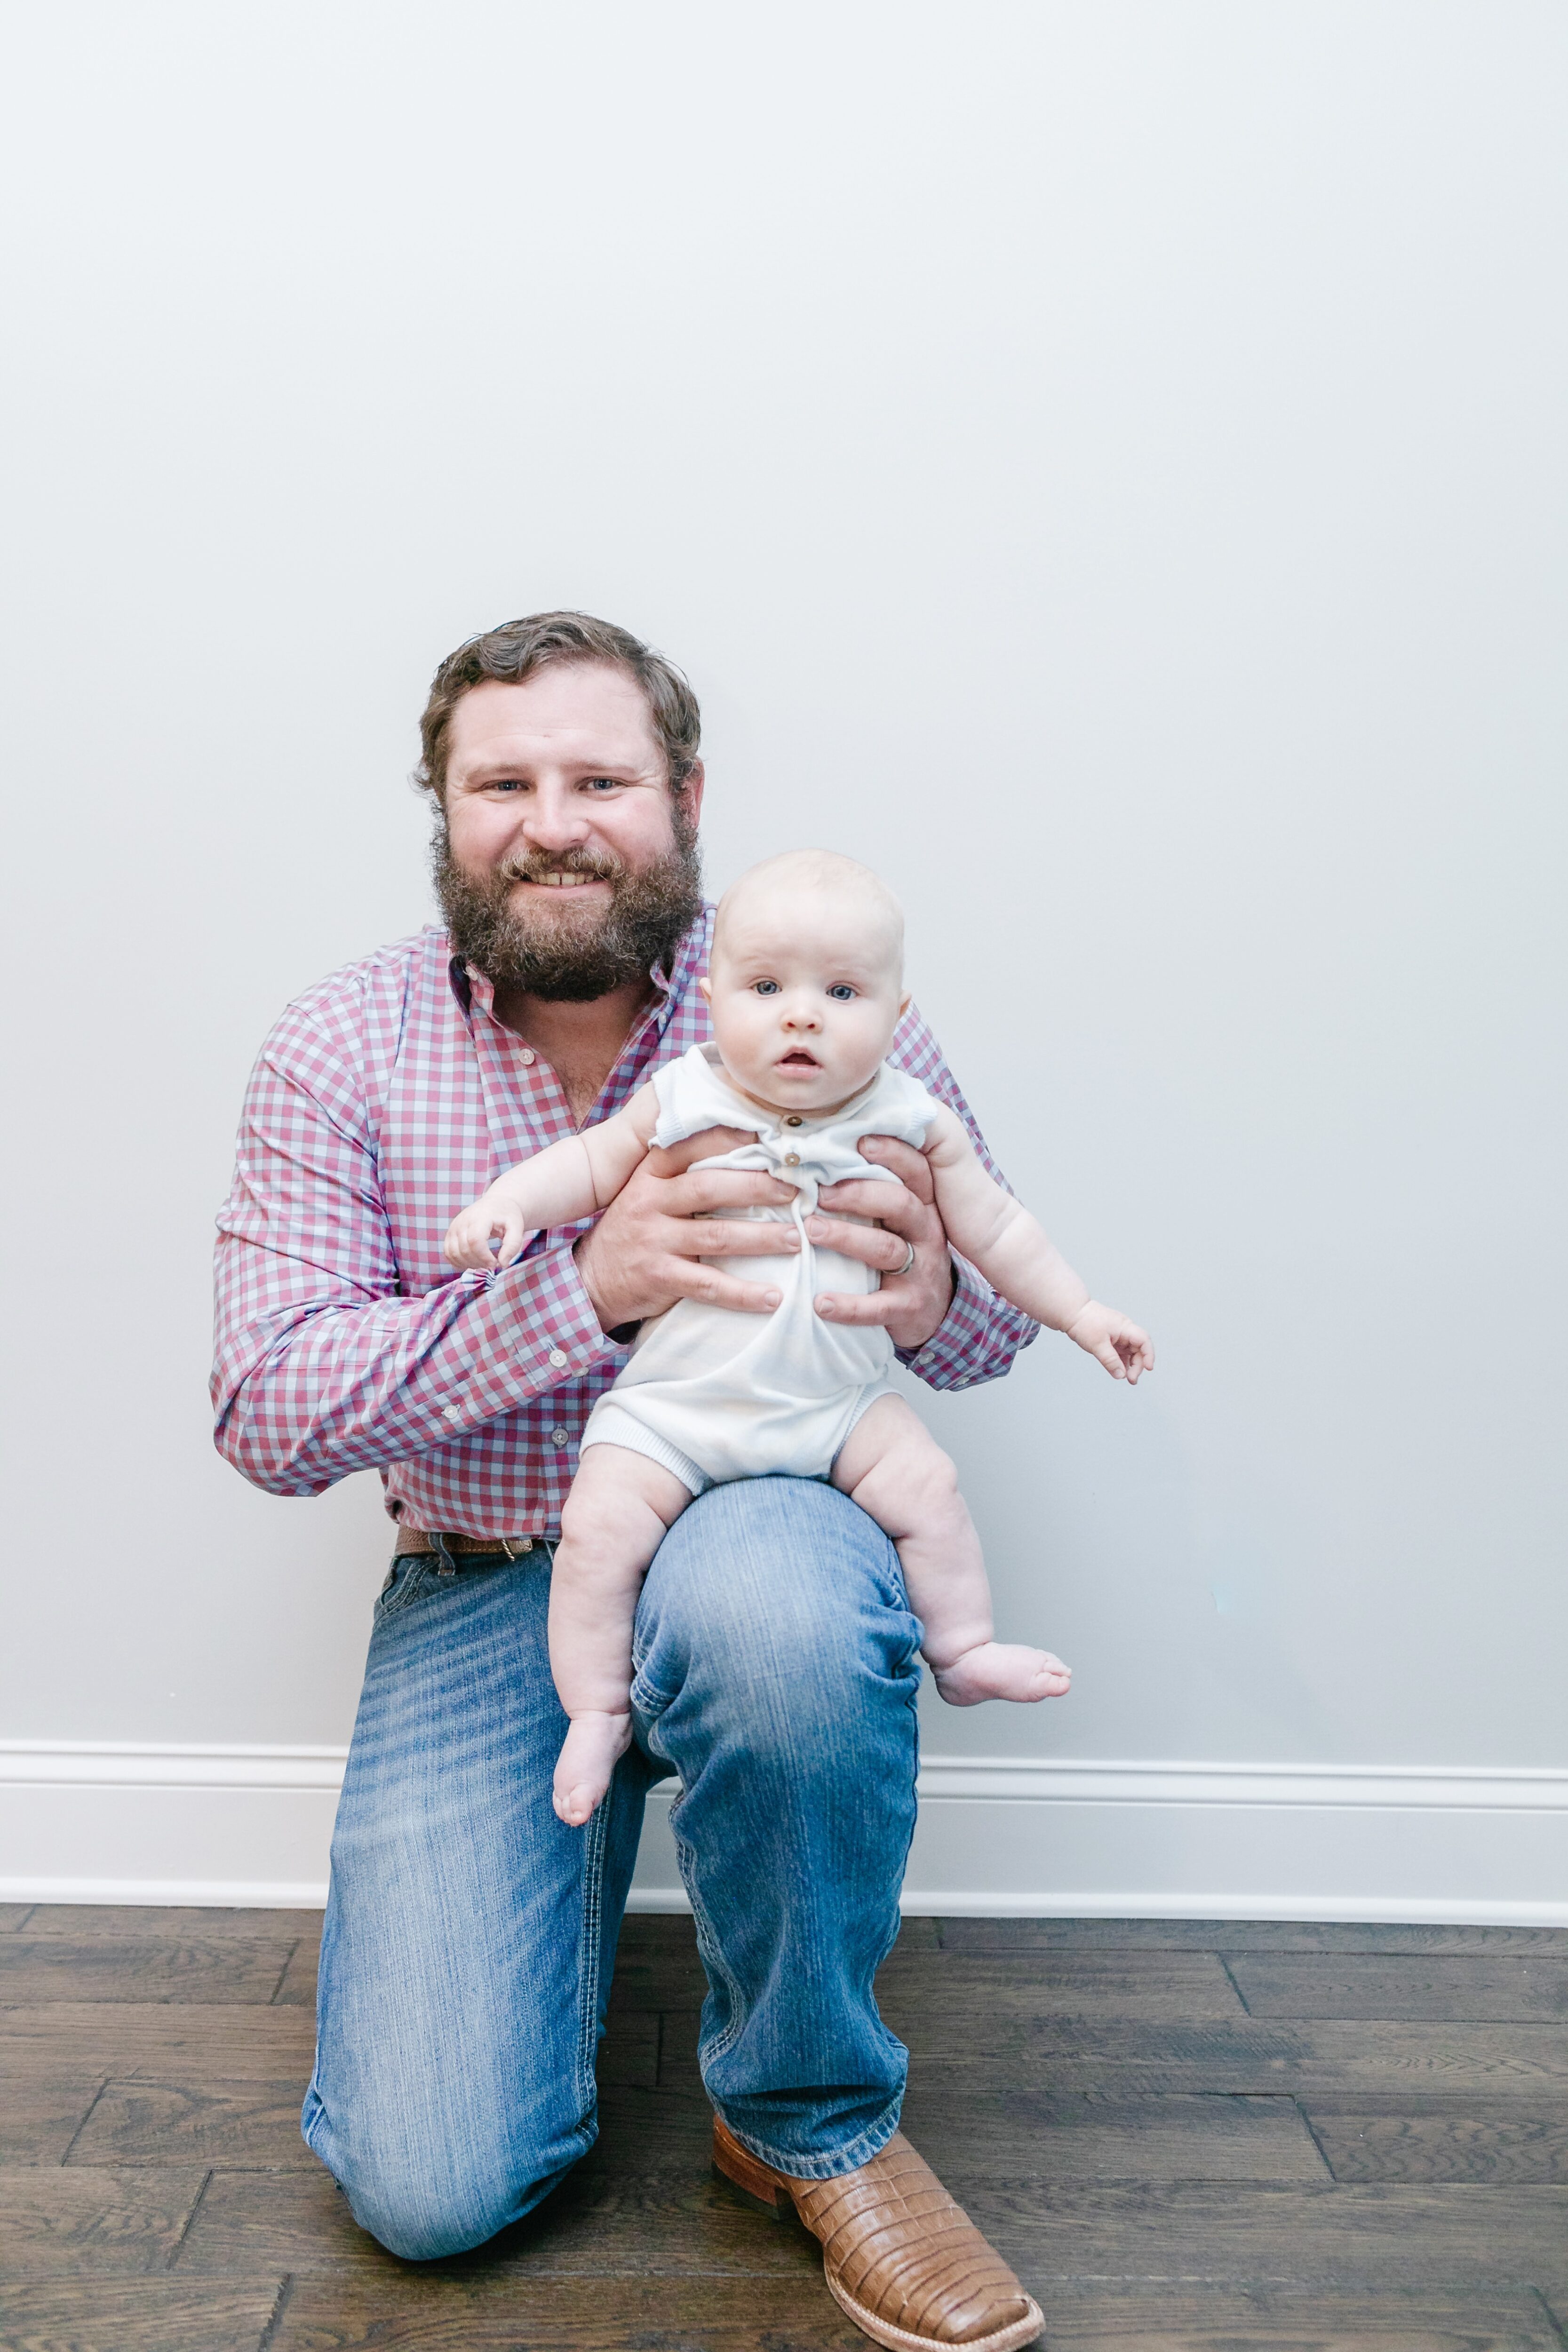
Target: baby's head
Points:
(806, 985)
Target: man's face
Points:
(565, 866)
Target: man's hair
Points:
(515, 650)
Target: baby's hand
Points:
(1115, 1339)
(468, 1241)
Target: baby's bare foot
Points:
(1002, 1670)
(589, 1754)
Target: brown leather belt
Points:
(415, 1539)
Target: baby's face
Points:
(806, 991)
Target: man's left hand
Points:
(912, 1305)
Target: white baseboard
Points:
(85, 1821)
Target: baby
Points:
(806, 991)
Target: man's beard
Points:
(566, 957)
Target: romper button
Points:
(558, 1438)
(557, 1358)
(792, 1159)
(795, 1119)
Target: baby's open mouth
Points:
(799, 1059)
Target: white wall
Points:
(1103, 463)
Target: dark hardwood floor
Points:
(1181, 2135)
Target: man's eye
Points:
(602, 783)
(841, 992)
(506, 785)
(766, 987)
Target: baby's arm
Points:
(560, 1186)
(997, 1235)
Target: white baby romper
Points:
(714, 1393)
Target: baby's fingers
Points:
(461, 1247)
(513, 1233)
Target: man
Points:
(469, 1934)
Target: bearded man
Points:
(471, 1934)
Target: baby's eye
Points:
(766, 987)
(841, 992)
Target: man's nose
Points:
(554, 818)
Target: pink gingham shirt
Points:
(385, 1099)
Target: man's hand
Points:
(642, 1254)
(1114, 1340)
(912, 1305)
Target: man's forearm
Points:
(336, 1384)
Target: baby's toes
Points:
(575, 1805)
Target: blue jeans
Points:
(470, 1936)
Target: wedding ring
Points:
(908, 1263)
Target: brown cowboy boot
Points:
(906, 2262)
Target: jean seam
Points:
(711, 1953)
(596, 1836)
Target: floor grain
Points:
(1187, 2137)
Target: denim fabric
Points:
(469, 1934)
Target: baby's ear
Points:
(705, 988)
(904, 1002)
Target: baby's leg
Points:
(612, 1523)
(893, 1468)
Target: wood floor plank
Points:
(136, 2315)
(1373, 2236)
(41, 2110)
(298, 1990)
(1195, 2315)
(141, 1968)
(1007, 1936)
(54, 2223)
(1181, 1987)
(184, 1923)
(603, 2315)
(1072, 2137)
(1483, 2140)
(1483, 1988)
(222, 2041)
(1259, 2054)
(227, 2124)
(629, 2052)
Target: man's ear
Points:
(705, 988)
(690, 792)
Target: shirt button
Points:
(557, 1356)
(453, 1411)
(558, 1438)
(526, 1057)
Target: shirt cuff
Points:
(956, 1350)
(552, 1332)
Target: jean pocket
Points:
(404, 1579)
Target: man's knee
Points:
(424, 2213)
(777, 1582)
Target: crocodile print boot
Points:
(907, 2264)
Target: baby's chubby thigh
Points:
(893, 1468)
